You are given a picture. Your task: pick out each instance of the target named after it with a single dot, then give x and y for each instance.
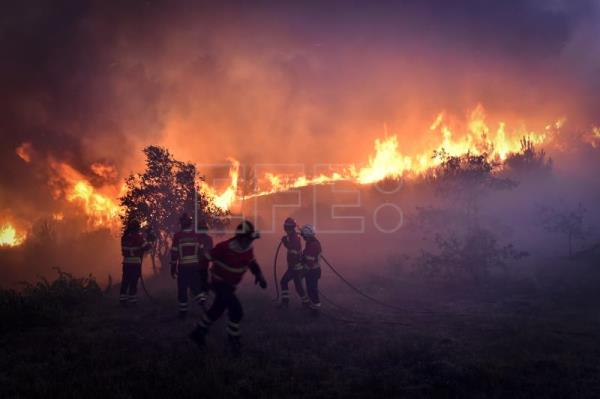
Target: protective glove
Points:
(173, 270)
(260, 280)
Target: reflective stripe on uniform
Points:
(132, 298)
(229, 268)
(131, 248)
(285, 294)
(183, 306)
(309, 257)
(187, 260)
(315, 305)
(123, 297)
(293, 251)
(233, 329)
(132, 259)
(298, 266)
(189, 244)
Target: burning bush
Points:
(529, 161)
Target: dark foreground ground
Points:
(504, 341)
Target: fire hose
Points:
(151, 237)
(145, 290)
(332, 303)
(275, 271)
(365, 295)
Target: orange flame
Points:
(9, 236)
(229, 195)
(388, 162)
(99, 207)
(593, 138)
(25, 151)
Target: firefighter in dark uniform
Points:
(291, 241)
(133, 246)
(310, 258)
(189, 263)
(230, 260)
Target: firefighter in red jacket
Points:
(189, 263)
(291, 241)
(133, 246)
(310, 259)
(230, 260)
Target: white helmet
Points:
(307, 231)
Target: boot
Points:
(199, 336)
(182, 315)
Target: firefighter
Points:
(230, 260)
(291, 241)
(310, 259)
(189, 263)
(133, 246)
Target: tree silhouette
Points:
(247, 182)
(473, 251)
(568, 222)
(466, 179)
(158, 196)
(529, 161)
(473, 255)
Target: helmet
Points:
(289, 223)
(185, 220)
(133, 225)
(307, 231)
(246, 229)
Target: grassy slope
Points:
(495, 343)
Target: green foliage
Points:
(46, 303)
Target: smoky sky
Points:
(88, 81)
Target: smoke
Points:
(91, 83)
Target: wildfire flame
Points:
(594, 137)
(229, 195)
(101, 209)
(388, 162)
(476, 136)
(24, 151)
(9, 236)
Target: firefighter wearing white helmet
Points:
(310, 259)
(291, 241)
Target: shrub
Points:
(473, 255)
(46, 303)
